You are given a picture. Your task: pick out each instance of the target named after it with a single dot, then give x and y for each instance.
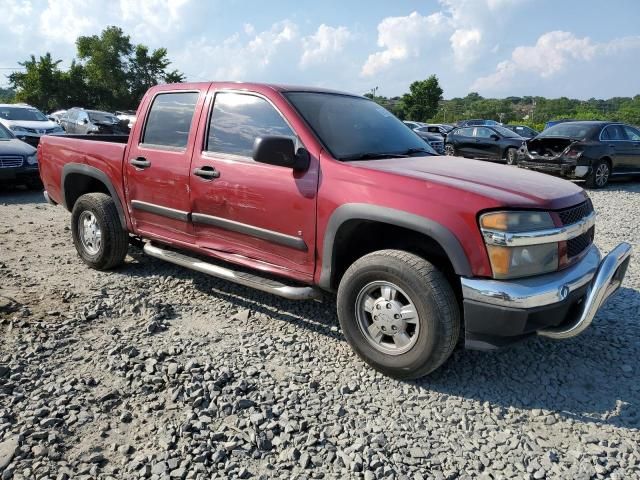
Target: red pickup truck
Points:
(302, 191)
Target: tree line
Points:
(110, 73)
(424, 103)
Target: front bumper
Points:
(19, 173)
(556, 305)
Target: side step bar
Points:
(242, 278)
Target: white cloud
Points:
(65, 20)
(552, 54)
(465, 45)
(326, 42)
(402, 38)
(152, 18)
(238, 57)
(465, 23)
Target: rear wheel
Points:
(511, 155)
(399, 313)
(98, 236)
(599, 175)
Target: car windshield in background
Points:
(505, 132)
(354, 128)
(22, 114)
(568, 130)
(100, 117)
(4, 133)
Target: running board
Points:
(247, 279)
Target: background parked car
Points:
(435, 140)
(522, 130)
(483, 142)
(477, 122)
(439, 128)
(551, 123)
(18, 162)
(79, 121)
(27, 123)
(594, 151)
(56, 116)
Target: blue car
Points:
(18, 162)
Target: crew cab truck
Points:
(301, 191)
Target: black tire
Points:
(450, 150)
(511, 156)
(114, 240)
(434, 301)
(599, 175)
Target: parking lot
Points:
(152, 371)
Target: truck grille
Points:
(577, 245)
(10, 161)
(575, 214)
(571, 215)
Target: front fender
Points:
(362, 211)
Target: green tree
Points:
(41, 83)
(421, 103)
(7, 95)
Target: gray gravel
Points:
(153, 371)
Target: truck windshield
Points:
(355, 128)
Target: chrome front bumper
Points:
(600, 277)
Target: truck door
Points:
(158, 163)
(262, 213)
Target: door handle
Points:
(140, 162)
(208, 173)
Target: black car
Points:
(87, 122)
(522, 130)
(476, 122)
(493, 143)
(18, 162)
(593, 151)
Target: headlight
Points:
(18, 129)
(510, 258)
(32, 159)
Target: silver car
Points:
(27, 122)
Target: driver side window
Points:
(482, 132)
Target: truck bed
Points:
(101, 152)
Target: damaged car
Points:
(79, 121)
(594, 151)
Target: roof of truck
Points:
(258, 86)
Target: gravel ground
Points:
(153, 371)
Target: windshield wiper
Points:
(372, 156)
(411, 151)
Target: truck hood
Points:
(503, 184)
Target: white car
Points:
(27, 122)
(127, 115)
(56, 116)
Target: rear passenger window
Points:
(238, 119)
(169, 119)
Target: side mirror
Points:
(495, 137)
(277, 150)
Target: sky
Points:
(498, 48)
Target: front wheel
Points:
(98, 236)
(511, 155)
(399, 313)
(449, 150)
(599, 175)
